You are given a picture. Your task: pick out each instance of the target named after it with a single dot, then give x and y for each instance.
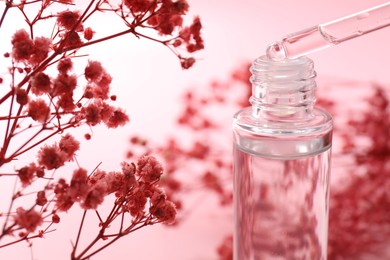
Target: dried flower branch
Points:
(43, 96)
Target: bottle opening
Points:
(283, 89)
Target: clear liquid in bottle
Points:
(281, 206)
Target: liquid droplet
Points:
(276, 52)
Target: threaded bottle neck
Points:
(283, 90)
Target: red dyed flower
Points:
(94, 71)
(149, 169)
(68, 19)
(164, 211)
(63, 200)
(88, 33)
(42, 47)
(106, 111)
(66, 102)
(28, 219)
(114, 182)
(225, 249)
(78, 185)
(92, 114)
(41, 198)
(40, 84)
(128, 179)
(158, 196)
(192, 36)
(65, 65)
(22, 45)
(21, 96)
(138, 6)
(95, 196)
(51, 157)
(72, 39)
(55, 218)
(187, 63)
(136, 202)
(64, 84)
(69, 145)
(118, 118)
(26, 174)
(38, 110)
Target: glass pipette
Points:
(331, 33)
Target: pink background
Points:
(149, 81)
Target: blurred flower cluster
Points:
(43, 97)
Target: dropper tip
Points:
(276, 52)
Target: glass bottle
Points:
(282, 147)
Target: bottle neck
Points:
(283, 90)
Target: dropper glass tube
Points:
(331, 33)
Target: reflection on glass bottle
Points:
(281, 165)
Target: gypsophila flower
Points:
(64, 84)
(72, 39)
(28, 219)
(92, 114)
(187, 63)
(69, 145)
(94, 71)
(66, 102)
(26, 174)
(63, 199)
(114, 182)
(21, 96)
(55, 218)
(79, 188)
(136, 203)
(49, 96)
(51, 157)
(42, 47)
(158, 196)
(88, 33)
(40, 84)
(128, 171)
(22, 45)
(138, 6)
(65, 65)
(68, 19)
(164, 211)
(118, 118)
(95, 196)
(41, 198)
(149, 169)
(38, 110)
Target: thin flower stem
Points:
(97, 238)
(18, 240)
(25, 238)
(20, 151)
(8, 174)
(118, 236)
(5, 97)
(130, 30)
(78, 234)
(99, 217)
(5, 229)
(12, 117)
(99, 249)
(7, 129)
(96, 9)
(8, 5)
